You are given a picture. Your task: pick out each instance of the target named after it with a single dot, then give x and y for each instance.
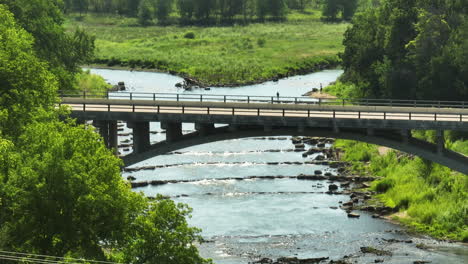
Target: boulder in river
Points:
(299, 146)
(320, 157)
(375, 251)
(263, 261)
(296, 140)
(332, 187)
(131, 178)
(320, 145)
(353, 215)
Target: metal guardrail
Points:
(188, 97)
(157, 108)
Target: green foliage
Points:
(63, 52)
(384, 185)
(26, 86)
(165, 221)
(343, 90)
(409, 50)
(189, 35)
(145, 13)
(62, 193)
(194, 11)
(92, 83)
(163, 9)
(345, 8)
(61, 189)
(433, 197)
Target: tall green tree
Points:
(278, 9)
(145, 13)
(404, 49)
(81, 5)
(203, 9)
(163, 9)
(61, 190)
(332, 9)
(26, 87)
(186, 9)
(63, 52)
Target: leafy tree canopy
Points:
(61, 191)
(26, 85)
(409, 49)
(64, 52)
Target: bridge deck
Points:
(244, 113)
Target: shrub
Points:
(261, 42)
(384, 185)
(189, 35)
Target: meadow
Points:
(217, 55)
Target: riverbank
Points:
(323, 64)
(425, 197)
(218, 56)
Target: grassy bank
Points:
(91, 83)
(218, 55)
(429, 197)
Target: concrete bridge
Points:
(382, 122)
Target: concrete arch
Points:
(392, 139)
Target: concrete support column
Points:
(440, 141)
(113, 137)
(141, 136)
(267, 128)
(336, 129)
(103, 129)
(173, 131)
(300, 128)
(204, 129)
(405, 135)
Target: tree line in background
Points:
(211, 11)
(412, 49)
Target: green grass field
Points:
(218, 55)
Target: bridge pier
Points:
(108, 131)
(141, 136)
(204, 129)
(405, 135)
(113, 137)
(440, 141)
(173, 130)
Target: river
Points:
(246, 220)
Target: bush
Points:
(384, 185)
(189, 35)
(261, 42)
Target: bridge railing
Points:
(284, 111)
(191, 97)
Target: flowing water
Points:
(245, 220)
